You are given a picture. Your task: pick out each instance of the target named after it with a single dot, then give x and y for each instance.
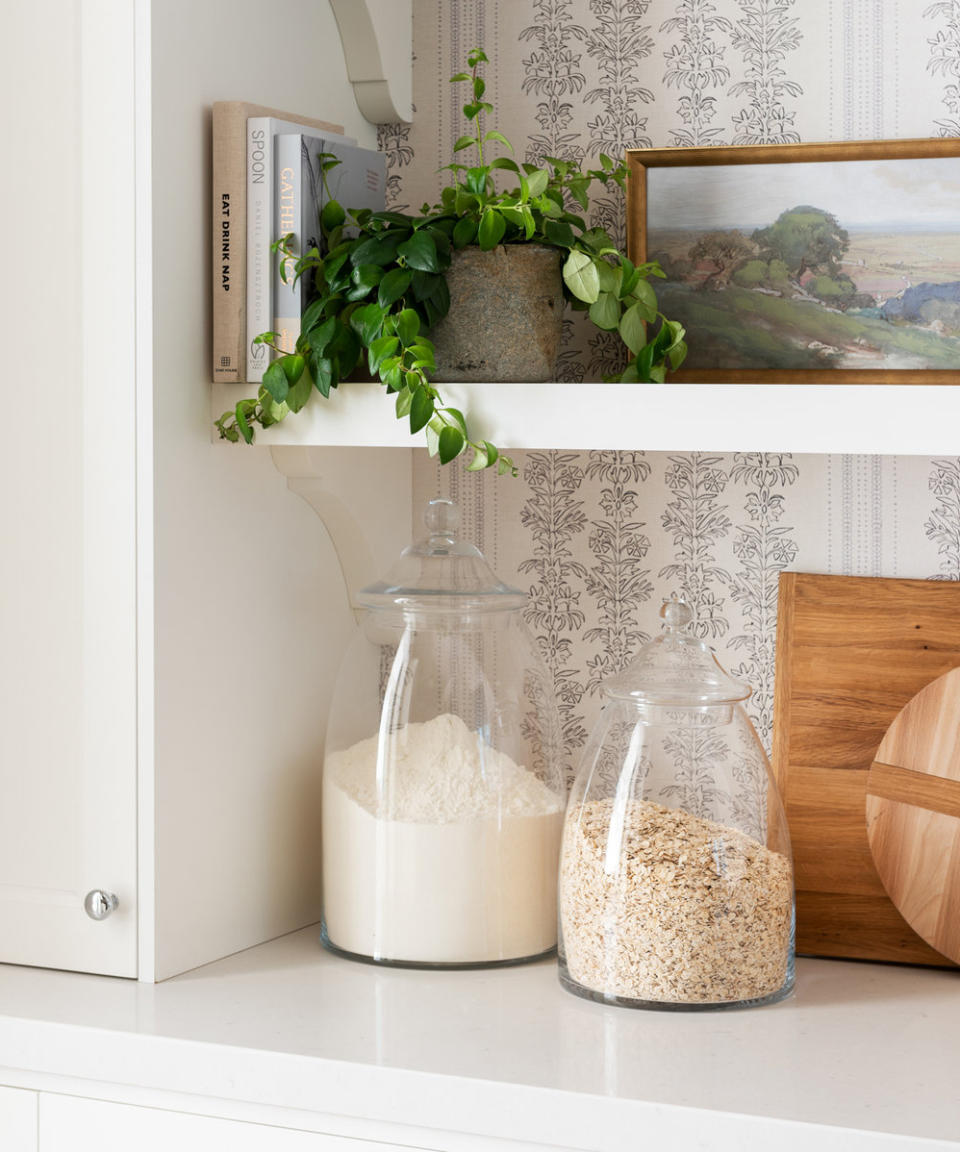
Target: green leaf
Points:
(464, 231)
(581, 277)
(332, 216)
(299, 392)
(380, 250)
(424, 284)
(476, 181)
(494, 135)
(605, 311)
(491, 230)
(479, 462)
(404, 400)
(292, 367)
(537, 182)
(646, 299)
(645, 363)
(332, 265)
(677, 355)
(367, 276)
(312, 314)
(245, 430)
(391, 373)
(460, 76)
(504, 161)
(274, 412)
(420, 252)
(344, 348)
(663, 341)
(433, 436)
(464, 142)
(321, 369)
(422, 351)
(610, 276)
(275, 382)
(380, 349)
(466, 202)
(421, 409)
(450, 444)
(367, 322)
(559, 232)
(408, 325)
(458, 418)
(393, 286)
(633, 329)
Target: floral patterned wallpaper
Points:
(596, 538)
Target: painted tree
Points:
(806, 239)
(725, 250)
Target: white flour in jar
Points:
(464, 870)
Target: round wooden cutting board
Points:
(913, 813)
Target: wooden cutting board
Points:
(851, 652)
(913, 813)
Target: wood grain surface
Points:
(913, 813)
(851, 652)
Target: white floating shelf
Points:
(887, 419)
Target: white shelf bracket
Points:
(363, 500)
(377, 39)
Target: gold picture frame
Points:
(814, 323)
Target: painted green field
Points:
(739, 328)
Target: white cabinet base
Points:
(18, 1120)
(71, 1124)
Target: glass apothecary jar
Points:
(676, 879)
(443, 797)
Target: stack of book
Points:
(267, 183)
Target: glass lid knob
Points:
(442, 518)
(676, 614)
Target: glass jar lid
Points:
(676, 669)
(442, 572)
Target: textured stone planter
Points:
(506, 315)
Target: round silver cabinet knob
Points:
(99, 904)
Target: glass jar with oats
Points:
(676, 880)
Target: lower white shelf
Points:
(862, 1056)
(885, 419)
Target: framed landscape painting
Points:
(796, 263)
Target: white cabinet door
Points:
(67, 474)
(71, 1124)
(18, 1120)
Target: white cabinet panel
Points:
(18, 1120)
(68, 573)
(72, 1124)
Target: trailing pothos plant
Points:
(379, 286)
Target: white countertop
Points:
(507, 1053)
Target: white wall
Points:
(251, 611)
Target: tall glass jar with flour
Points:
(443, 796)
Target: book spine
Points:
(260, 181)
(229, 242)
(289, 197)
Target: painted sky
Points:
(860, 193)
